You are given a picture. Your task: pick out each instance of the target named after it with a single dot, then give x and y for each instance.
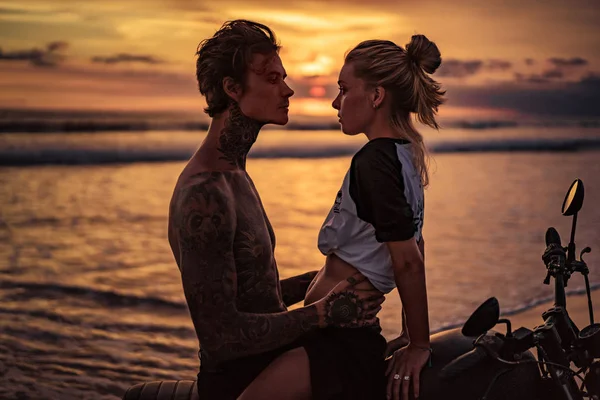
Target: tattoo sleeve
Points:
(294, 289)
(206, 226)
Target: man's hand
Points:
(348, 305)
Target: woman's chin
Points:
(349, 132)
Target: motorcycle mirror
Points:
(483, 319)
(573, 199)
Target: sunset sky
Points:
(501, 58)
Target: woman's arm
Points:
(409, 274)
(404, 338)
(409, 271)
(405, 333)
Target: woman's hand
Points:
(396, 344)
(405, 367)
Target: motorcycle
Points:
(479, 363)
(502, 366)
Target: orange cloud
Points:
(314, 38)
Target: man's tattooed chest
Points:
(257, 277)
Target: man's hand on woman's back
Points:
(352, 303)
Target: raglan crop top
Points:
(381, 200)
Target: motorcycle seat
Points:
(163, 390)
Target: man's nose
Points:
(288, 92)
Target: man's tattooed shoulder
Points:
(204, 214)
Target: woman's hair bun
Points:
(424, 53)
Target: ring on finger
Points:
(396, 377)
(406, 377)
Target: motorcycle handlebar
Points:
(552, 236)
(463, 363)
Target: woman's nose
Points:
(336, 104)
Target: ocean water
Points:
(91, 299)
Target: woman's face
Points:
(353, 102)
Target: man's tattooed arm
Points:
(293, 290)
(206, 227)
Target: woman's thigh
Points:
(286, 378)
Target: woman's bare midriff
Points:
(334, 271)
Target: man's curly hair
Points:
(228, 54)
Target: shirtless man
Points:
(221, 237)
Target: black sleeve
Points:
(377, 189)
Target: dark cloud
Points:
(561, 69)
(127, 58)
(545, 77)
(591, 83)
(465, 68)
(553, 73)
(531, 78)
(49, 57)
(568, 62)
(459, 69)
(13, 11)
(499, 65)
(547, 98)
(57, 46)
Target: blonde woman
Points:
(375, 228)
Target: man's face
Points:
(355, 109)
(266, 96)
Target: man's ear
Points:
(377, 96)
(232, 88)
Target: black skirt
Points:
(345, 364)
